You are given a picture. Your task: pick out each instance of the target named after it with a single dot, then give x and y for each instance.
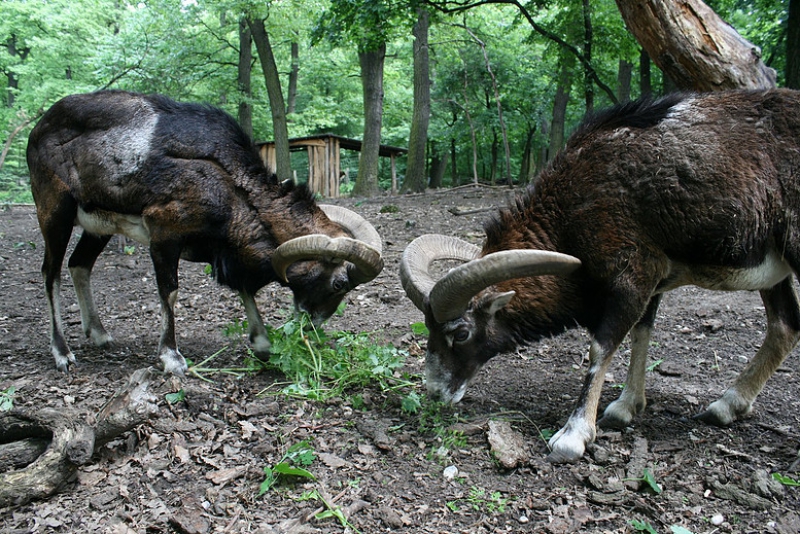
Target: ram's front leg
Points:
(165, 260)
(255, 327)
(632, 401)
(569, 443)
(621, 312)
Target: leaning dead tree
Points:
(694, 46)
(41, 450)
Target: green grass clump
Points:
(321, 365)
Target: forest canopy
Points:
(496, 70)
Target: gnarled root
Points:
(69, 440)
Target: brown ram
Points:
(646, 197)
(187, 181)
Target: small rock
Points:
(507, 444)
(523, 519)
(717, 519)
(450, 472)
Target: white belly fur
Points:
(109, 223)
(772, 270)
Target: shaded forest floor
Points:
(197, 466)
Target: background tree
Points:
(416, 175)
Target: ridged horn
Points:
(357, 225)
(420, 254)
(363, 250)
(450, 296)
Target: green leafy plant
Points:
(642, 526)
(419, 329)
(322, 365)
(202, 370)
(176, 397)
(299, 454)
(786, 480)
(480, 500)
(331, 510)
(129, 249)
(389, 208)
(653, 366)
(7, 398)
(650, 480)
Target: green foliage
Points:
(174, 398)
(479, 500)
(642, 526)
(299, 454)
(650, 479)
(420, 329)
(786, 480)
(7, 398)
(322, 365)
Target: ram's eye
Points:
(339, 285)
(461, 335)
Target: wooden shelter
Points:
(324, 170)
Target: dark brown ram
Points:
(646, 197)
(187, 181)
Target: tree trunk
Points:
(243, 81)
(415, 180)
(438, 166)
(371, 62)
(453, 163)
(283, 165)
(293, 75)
(694, 47)
(557, 126)
(528, 167)
(624, 77)
(645, 78)
(588, 37)
(793, 46)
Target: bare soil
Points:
(197, 466)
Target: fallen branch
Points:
(458, 210)
(72, 441)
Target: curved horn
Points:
(367, 260)
(450, 296)
(418, 257)
(355, 224)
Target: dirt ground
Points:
(197, 466)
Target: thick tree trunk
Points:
(283, 165)
(371, 62)
(793, 46)
(416, 180)
(243, 80)
(694, 47)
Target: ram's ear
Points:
(494, 302)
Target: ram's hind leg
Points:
(783, 333)
(56, 225)
(81, 263)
